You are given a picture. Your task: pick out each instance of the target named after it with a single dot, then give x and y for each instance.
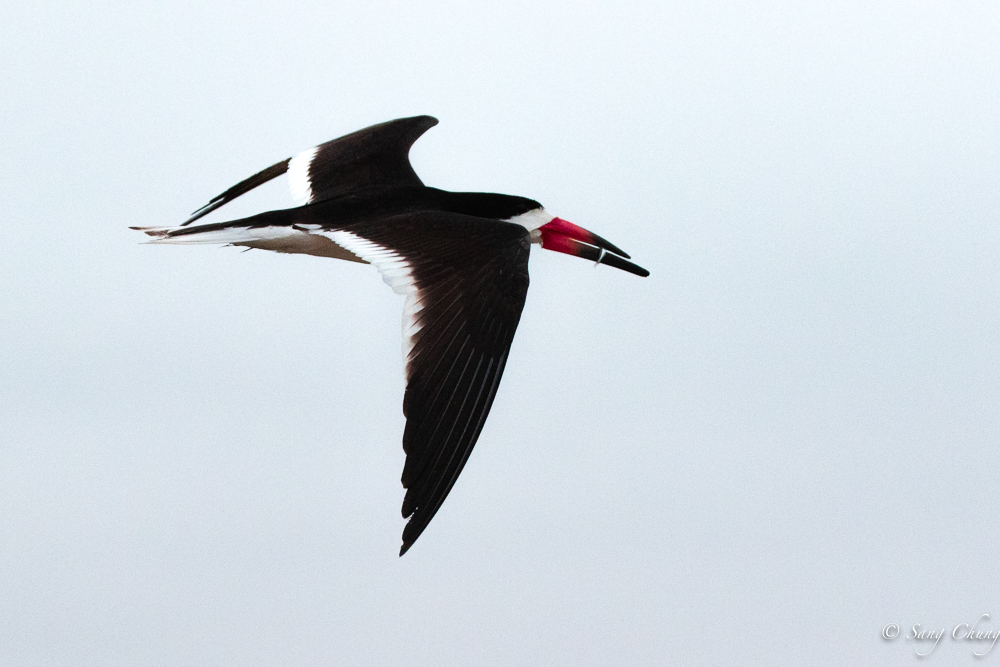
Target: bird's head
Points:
(551, 232)
(563, 236)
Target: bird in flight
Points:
(460, 258)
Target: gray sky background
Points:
(783, 440)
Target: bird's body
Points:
(461, 259)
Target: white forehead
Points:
(534, 219)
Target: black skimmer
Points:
(460, 258)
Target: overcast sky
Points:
(780, 442)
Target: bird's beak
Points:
(563, 236)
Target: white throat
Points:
(532, 220)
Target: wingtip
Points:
(430, 121)
(408, 538)
(407, 543)
(420, 124)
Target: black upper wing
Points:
(377, 156)
(241, 188)
(466, 279)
